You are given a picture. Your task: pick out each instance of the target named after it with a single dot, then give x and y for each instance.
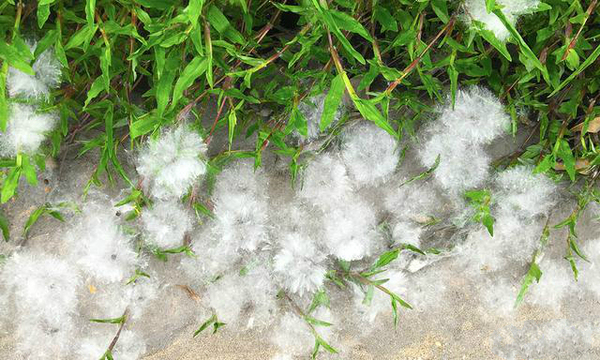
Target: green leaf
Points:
(573, 245)
(386, 258)
(491, 38)
(205, 325)
(371, 113)
(145, 124)
(105, 60)
(165, 86)
(137, 275)
(490, 5)
(48, 40)
(192, 71)
(332, 102)
(59, 51)
(453, 75)
(14, 58)
(589, 61)
(231, 121)
(385, 18)
(28, 170)
(216, 18)
(43, 12)
(319, 299)
(426, 173)
(4, 112)
(77, 39)
(564, 152)
(317, 322)
(202, 209)
(348, 23)
(327, 17)
(488, 222)
(298, 122)
(118, 320)
(327, 347)
(441, 9)
(157, 4)
(525, 50)
(90, 9)
(209, 56)
(369, 295)
(534, 273)
(9, 186)
(193, 11)
(401, 301)
(4, 226)
(33, 218)
(95, 90)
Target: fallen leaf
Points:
(593, 126)
(190, 292)
(581, 165)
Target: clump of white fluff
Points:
(292, 335)
(166, 223)
(261, 295)
(513, 242)
(512, 9)
(100, 248)
(477, 116)
(43, 286)
(523, 193)
(299, 264)
(240, 206)
(369, 153)
(26, 130)
(45, 340)
(499, 296)
(590, 271)
(216, 256)
(462, 165)
(349, 230)
(312, 110)
(170, 164)
(325, 181)
(111, 300)
(225, 297)
(458, 138)
(405, 232)
(235, 293)
(44, 292)
(549, 339)
(417, 202)
(47, 70)
(556, 283)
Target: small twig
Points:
(368, 282)
(113, 343)
(212, 129)
(588, 13)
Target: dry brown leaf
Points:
(593, 126)
(581, 166)
(190, 292)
